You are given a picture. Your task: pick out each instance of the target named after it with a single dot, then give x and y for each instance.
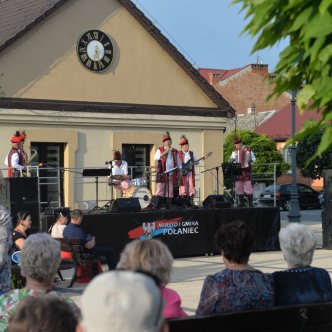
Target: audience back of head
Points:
(236, 241)
(41, 314)
(40, 257)
(151, 256)
(122, 301)
(298, 244)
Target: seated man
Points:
(74, 230)
(119, 177)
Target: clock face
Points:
(95, 50)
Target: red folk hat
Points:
(237, 140)
(183, 140)
(117, 155)
(16, 138)
(166, 137)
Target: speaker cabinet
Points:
(216, 202)
(23, 196)
(327, 212)
(126, 205)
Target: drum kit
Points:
(137, 189)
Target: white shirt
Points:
(14, 161)
(119, 170)
(235, 157)
(185, 159)
(169, 159)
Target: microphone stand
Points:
(211, 169)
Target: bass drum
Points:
(143, 195)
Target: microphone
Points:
(108, 162)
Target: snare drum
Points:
(143, 195)
(139, 182)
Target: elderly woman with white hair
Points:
(39, 262)
(300, 283)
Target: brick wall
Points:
(248, 86)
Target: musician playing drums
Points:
(119, 177)
(245, 156)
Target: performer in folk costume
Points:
(24, 155)
(186, 162)
(245, 156)
(119, 177)
(166, 156)
(14, 160)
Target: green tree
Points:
(265, 151)
(305, 149)
(306, 60)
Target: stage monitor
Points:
(216, 202)
(126, 205)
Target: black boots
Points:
(250, 200)
(157, 203)
(241, 200)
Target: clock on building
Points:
(95, 50)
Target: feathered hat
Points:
(23, 135)
(166, 137)
(237, 140)
(16, 138)
(183, 140)
(117, 155)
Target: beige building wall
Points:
(44, 64)
(89, 140)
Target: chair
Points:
(81, 262)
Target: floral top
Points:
(303, 284)
(10, 300)
(235, 290)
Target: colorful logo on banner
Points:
(174, 226)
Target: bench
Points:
(314, 317)
(82, 263)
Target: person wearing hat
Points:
(186, 162)
(244, 156)
(119, 176)
(14, 160)
(166, 156)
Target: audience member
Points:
(41, 314)
(122, 301)
(239, 286)
(39, 262)
(23, 223)
(5, 245)
(74, 230)
(300, 283)
(60, 222)
(154, 257)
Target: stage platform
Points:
(186, 232)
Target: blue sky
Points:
(207, 32)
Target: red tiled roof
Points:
(279, 126)
(222, 73)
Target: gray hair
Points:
(298, 244)
(5, 244)
(151, 256)
(40, 257)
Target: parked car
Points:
(308, 197)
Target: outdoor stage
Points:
(186, 232)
